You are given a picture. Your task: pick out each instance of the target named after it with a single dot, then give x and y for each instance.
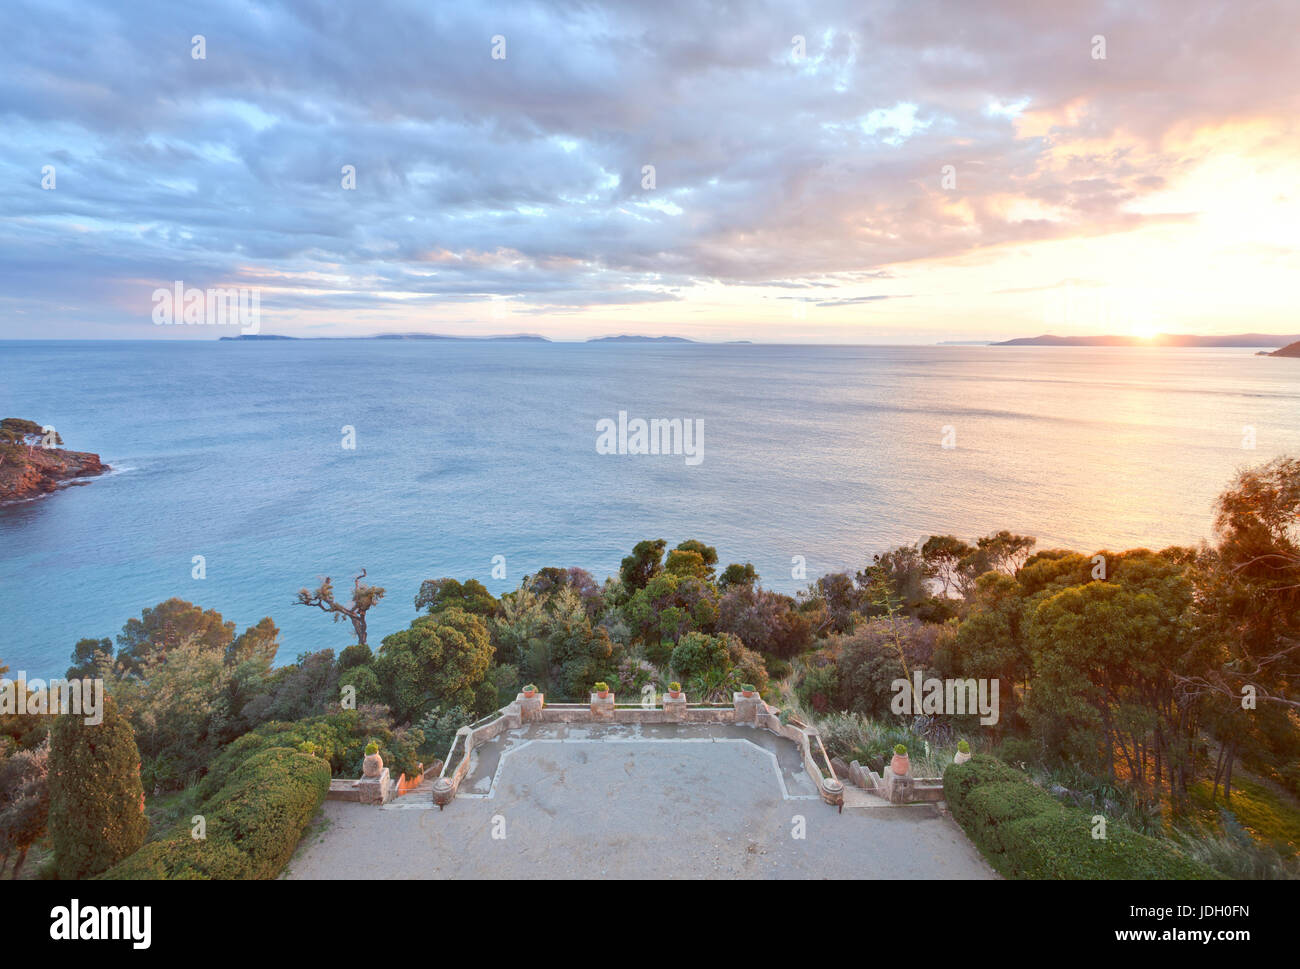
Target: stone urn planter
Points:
(963, 753)
(900, 764)
(373, 764)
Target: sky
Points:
(857, 172)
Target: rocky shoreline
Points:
(28, 470)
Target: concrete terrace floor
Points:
(634, 801)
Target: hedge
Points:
(1024, 832)
(254, 823)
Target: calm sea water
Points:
(465, 451)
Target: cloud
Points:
(522, 178)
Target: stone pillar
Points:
(530, 707)
(443, 792)
(375, 790)
(675, 708)
(748, 707)
(602, 709)
(897, 787)
(513, 715)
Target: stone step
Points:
(856, 797)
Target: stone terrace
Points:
(606, 800)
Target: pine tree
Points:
(96, 800)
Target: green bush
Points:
(254, 823)
(96, 801)
(1026, 833)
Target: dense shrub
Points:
(339, 738)
(1026, 833)
(254, 823)
(96, 801)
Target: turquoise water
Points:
(468, 450)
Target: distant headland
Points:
(32, 463)
(1159, 340)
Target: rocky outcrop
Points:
(1290, 350)
(28, 470)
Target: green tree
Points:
(645, 562)
(439, 661)
(472, 596)
(96, 801)
(735, 576)
(686, 562)
(166, 626)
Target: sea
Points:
(281, 462)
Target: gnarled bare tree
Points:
(364, 598)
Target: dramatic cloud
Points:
(903, 135)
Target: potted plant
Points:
(900, 765)
(373, 763)
(747, 689)
(963, 752)
(530, 690)
(674, 689)
(602, 689)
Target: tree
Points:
(24, 802)
(167, 625)
(1000, 552)
(96, 800)
(550, 579)
(1248, 612)
(260, 642)
(840, 600)
(904, 571)
(1107, 655)
(438, 662)
(687, 564)
(1249, 586)
(943, 555)
(472, 596)
(714, 666)
(764, 620)
(364, 598)
(87, 655)
(645, 562)
(735, 575)
(667, 607)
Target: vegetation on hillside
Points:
(1156, 688)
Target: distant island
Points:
(639, 339)
(29, 468)
(1160, 340)
(531, 337)
(1290, 350)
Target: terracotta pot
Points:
(746, 692)
(372, 765)
(900, 765)
(961, 757)
(530, 693)
(603, 693)
(675, 694)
